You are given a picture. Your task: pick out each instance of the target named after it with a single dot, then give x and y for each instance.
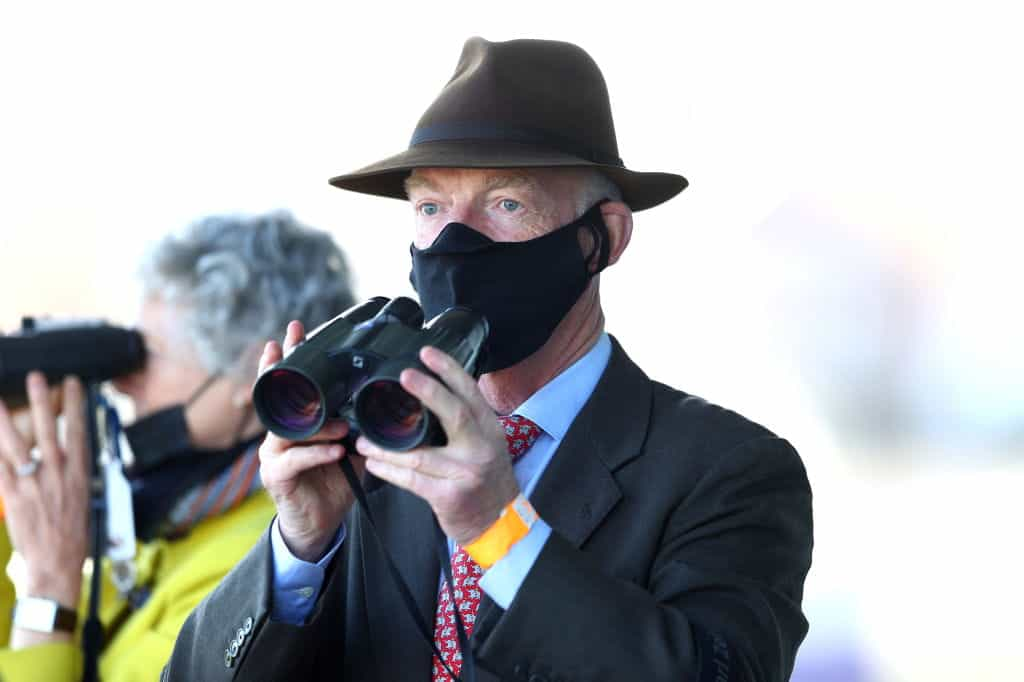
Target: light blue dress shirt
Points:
(553, 408)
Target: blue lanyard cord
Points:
(113, 424)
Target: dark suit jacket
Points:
(682, 537)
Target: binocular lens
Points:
(294, 402)
(390, 415)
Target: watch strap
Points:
(44, 615)
(66, 619)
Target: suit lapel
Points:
(578, 490)
(574, 495)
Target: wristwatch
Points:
(43, 615)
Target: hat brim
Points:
(387, 178)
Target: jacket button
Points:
(233, 649)
(247, 625)
(240, 635)
(229, 660)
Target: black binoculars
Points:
(91, 350)
(349, 368)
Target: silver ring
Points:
(26, 468)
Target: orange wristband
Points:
(515, 522)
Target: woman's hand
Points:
(22, 417)
(45, 490)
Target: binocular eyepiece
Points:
(349, 368)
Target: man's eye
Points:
(428, 209)
(510, 205)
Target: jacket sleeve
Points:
(268, 651)
(722, 602)
(59, 662)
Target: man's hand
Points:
(47, 510)
(303, 478)
(468, 481)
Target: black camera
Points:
(91, 350)
(349, 368)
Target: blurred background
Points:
(845, 267)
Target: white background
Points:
(810, 131)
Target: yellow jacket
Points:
(179, 572)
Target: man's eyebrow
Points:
(511, 180)
(414, 182)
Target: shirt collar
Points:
(554, 407)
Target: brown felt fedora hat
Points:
(516, 104)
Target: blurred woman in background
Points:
(212, 297)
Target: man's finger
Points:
(457, 379)
(297, 460)
(427, 461)
(334, 429)
(271, 354)
(295, 335)
(435, 396)
(417, 483)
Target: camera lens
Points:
(390, 416)
(292, 401)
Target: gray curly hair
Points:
(240, 279)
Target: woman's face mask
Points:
(166, 463)
(162, 435)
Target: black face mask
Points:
(160, 436)
(524, 289)
(166, 464)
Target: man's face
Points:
(506, 205)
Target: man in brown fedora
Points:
(599, 525)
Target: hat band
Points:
(449, 132)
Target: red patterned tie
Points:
(520, 433)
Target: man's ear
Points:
(619, 219)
